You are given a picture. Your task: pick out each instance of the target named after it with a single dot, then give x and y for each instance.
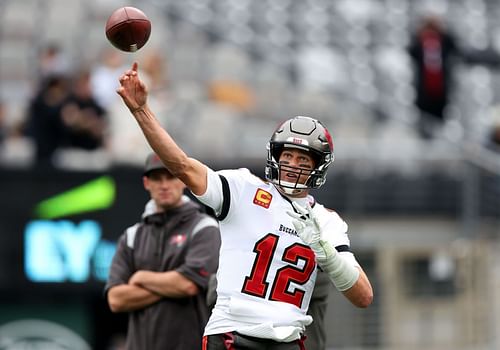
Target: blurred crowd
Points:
(436, 52)
(74, 118)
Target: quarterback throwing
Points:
(274, 235)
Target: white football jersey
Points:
(266, 273)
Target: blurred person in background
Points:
(432, 49)
(274, 235)
(103, 77)
(435, 52)
(154, 65)
(44, 123)
(52, 60)
(161, 268)
(84, 119)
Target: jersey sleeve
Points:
(213, 196)
(223, 189)
(122, 267)
(203, 253)
(334, 231)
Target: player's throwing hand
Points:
(132, 90)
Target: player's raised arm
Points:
(135, 95)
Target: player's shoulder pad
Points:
(331, 211)
(130, 235)
(240, 172)
(328, 211)
(247, 174)
(331, 217)
(206, 221)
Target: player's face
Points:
(165, 189)
(296, 165)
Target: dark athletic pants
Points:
(236, 341)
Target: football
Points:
(128, 29)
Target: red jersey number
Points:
(256, 284)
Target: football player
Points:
(274, 234)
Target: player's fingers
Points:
(123, 79)
(310, 212)
(135, 66)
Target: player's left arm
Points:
(361, 293)
(348, 275)
(341, 267)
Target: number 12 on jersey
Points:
(257, 285)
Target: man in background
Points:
(433, 50)
(161, 268)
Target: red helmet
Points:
(307, 134)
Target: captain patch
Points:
(262, 198)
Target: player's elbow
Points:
(364, 300)
(361, 294)
(360, 297)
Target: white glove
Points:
(307, 226)
(342, 274)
